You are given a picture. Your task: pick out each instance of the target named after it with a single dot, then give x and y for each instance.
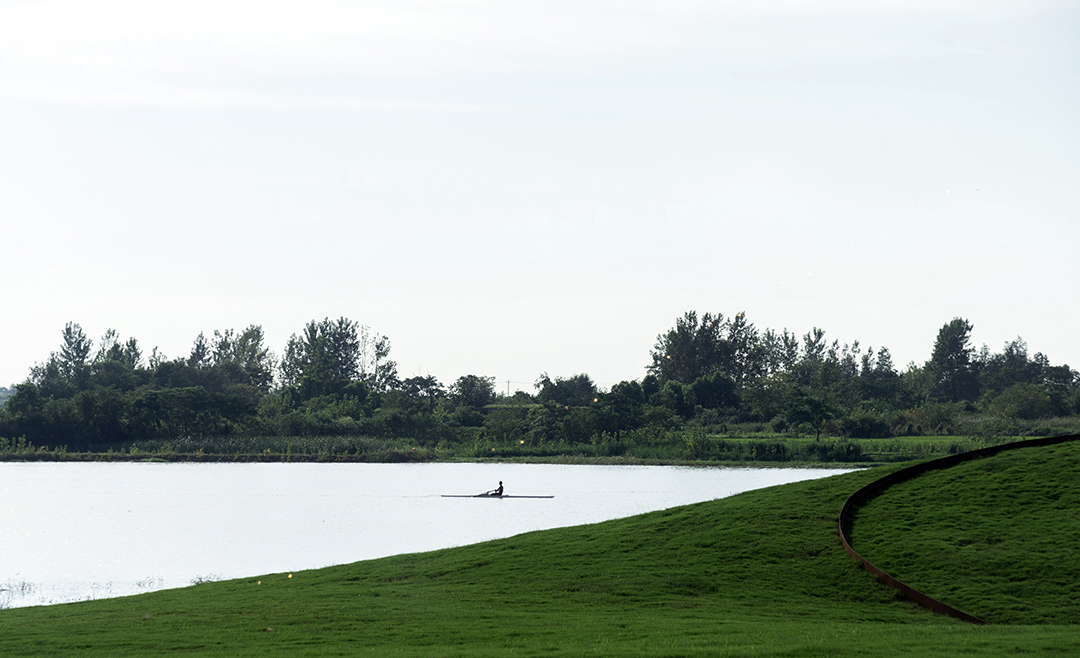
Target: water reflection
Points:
(76, 531)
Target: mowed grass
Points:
(759, 574)
(997, 537)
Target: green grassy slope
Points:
(759, 574)
(997, 537)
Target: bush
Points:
(1025, 401)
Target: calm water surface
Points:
(72, 531)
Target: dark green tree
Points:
(650, 385)
(766, 397)
(1061, 383)
(323, 359)
(127, 354)
(692, 349)
(1023, 400)
(66, 372)
(574, 391)
(677, 397)
(810, 407)
(427, 390)
(75, 354)
(950, 366)
(243, 358)
(507, 425)
(715, 391)
(1012, 366)
(631, 390)
(473, 391)
(779, 352)
(620, 410)
(50, 381)
(878, 379)
(814, 345)
(117, 364)
(200, 352)
(747, 359)
(24, 409)
(105, 412)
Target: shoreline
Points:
(214, 458)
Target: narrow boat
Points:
(484, 495)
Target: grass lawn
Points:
(758, 574)
(1011, 550)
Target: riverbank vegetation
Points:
(718, 389)
(757, 574)
(677, 448)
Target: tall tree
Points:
(950, 365)
(692, 349)
(243, 358)
(127, 354)
(878, 378)
(117, 364)
(1000, 371)
(68, 371)
(376, 368)
(75, 354)
(747, 359)
(324, 358)
(814, 345)
(779, 351)
(200, 352)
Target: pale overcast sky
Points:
(507, 188)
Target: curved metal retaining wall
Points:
(877, 486)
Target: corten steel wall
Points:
(877, 486)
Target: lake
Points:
(77, 531)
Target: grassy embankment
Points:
(759, 574)
(1005, 539)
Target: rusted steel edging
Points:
(906, 474)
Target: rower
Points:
(498, 492)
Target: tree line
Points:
(708, 373)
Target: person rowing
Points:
(498, 491)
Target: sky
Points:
(514, 188)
